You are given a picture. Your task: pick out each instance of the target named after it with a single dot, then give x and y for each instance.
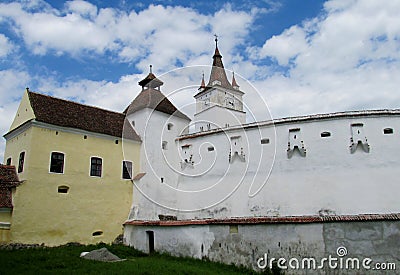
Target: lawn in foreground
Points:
(65, 259)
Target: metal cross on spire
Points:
(216, 40)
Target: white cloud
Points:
(346, 59)
(166, 36)
(82, 7)
(285, 46)
(5, 46)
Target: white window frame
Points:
(51, 153)
(90, 166)
(122, 174)
(24, 165)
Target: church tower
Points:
(219, 104)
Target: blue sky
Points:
(303, 57)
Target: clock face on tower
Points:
(229, 102)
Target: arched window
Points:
(63, 189)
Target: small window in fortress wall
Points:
(325, 134)
(388, 131)
(97, 233)
(164, 145)
(265, 141)
(233, 229)
(63, 189)
(8, 161)
(170, 126)
(210, 149)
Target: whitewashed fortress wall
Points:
(334, 170)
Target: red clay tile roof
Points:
(269, 220)
(66, 113)
(153, 99)
(8, 180)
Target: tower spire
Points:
(202, 84)
(234, 83)
(218, 74)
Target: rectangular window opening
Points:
(388, 131)
(233, 229)
(265, 141)
(325, 134)
(57, 162)
(127, 169)
(21, 162)
(96, 166)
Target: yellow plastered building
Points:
(76, 164)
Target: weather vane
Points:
(216, 39)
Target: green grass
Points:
(66, 260)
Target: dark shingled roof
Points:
(153, 99)
(150, 81)
(66, 113)
(8, 180)
(218, 71)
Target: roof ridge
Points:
(74, 102)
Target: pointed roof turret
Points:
(202, 84)
(151, 81)
(218, 75)
(153, 98)
(234, 84)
